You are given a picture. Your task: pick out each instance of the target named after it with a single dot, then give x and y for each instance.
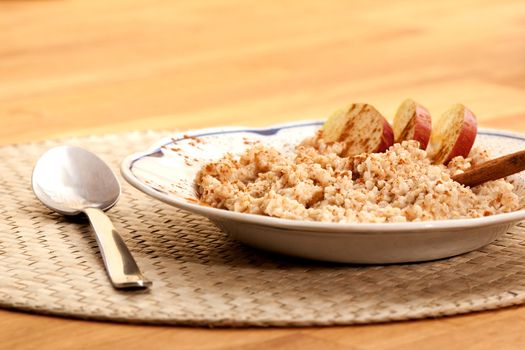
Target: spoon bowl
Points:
(71, 180)
(68, 179)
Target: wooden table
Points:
(77, 68)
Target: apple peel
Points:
(453, 135)
(412, 121)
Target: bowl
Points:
(167, 170)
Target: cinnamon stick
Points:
(493, 169)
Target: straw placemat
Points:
(49, 264)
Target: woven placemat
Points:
(50, 264)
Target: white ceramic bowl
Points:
(167, 171)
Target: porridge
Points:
(318, 183)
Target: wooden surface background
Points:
(83, 67)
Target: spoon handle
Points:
(120, 265)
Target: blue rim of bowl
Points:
(314, 226)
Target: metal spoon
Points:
(71, 181)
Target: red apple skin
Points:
(466, 137)
(387, 138)
(418, 127)
(423, 126)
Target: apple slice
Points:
(362, 129)
(412, 122)
(453, 135)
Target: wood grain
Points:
(83, 67)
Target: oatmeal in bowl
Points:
(335, 179)
(353, 189)
(318, 184)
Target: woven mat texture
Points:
(50, 264)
